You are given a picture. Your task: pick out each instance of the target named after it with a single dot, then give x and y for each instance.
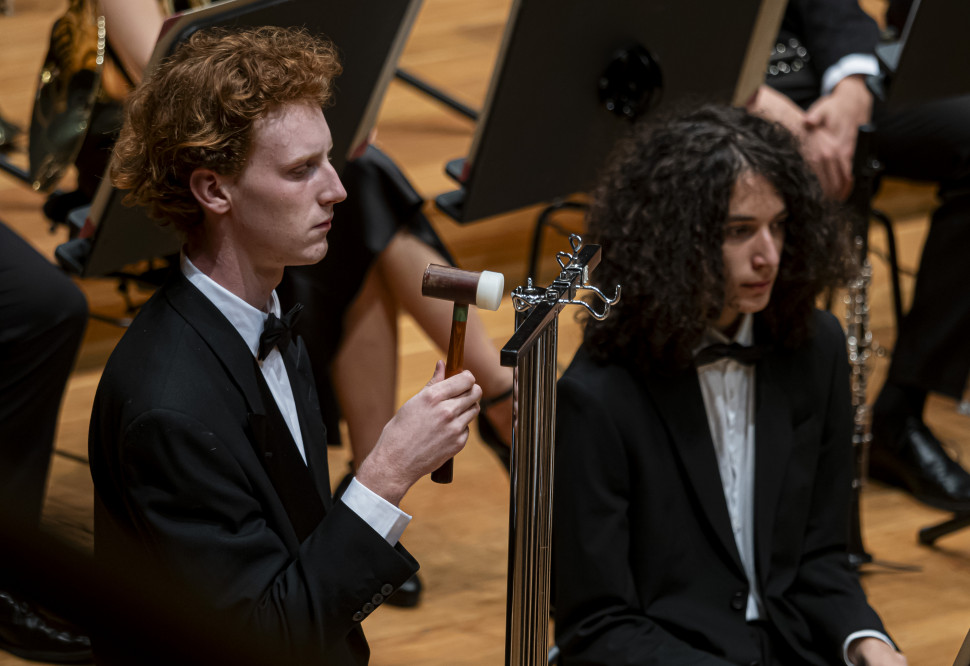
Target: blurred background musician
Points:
(823, 103)
(42, 320)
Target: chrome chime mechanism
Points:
(526, 298)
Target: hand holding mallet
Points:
(484, 290)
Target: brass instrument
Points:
(532, 352)
(76, 75)
(66, 93)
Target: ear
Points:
(208, 188)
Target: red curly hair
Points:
(198, 108)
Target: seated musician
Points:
(704, 454)
(386, 243)
(207, 448)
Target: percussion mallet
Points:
(484, 290)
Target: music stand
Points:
(369, 37)
(928, 61)
(545, 131)
(963, 656)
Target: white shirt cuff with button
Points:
(866, 633)
(854, 63)
(386, 519)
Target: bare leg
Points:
(365, 367)
(403, 262)
(369, 347)
(405, 258)
(364, 374)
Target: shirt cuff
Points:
(865, 633)
(386, 519)
(854, 63)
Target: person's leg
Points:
(364, 373)
(931, 143)
(42, 320)
(402, 264)
(364, 369)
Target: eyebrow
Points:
(743, 218)
(306, 157)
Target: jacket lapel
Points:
(223, 340)
(290, 475)
(299, 370)
(681, 405)
(773, 445)
(272, 442)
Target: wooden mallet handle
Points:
(462, 287)
(454, 363)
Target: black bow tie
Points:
(277, 331)
(738, 352)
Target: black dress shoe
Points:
(917, 462)
(30, 634)
(408, 595)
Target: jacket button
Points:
(368, 608)
(377, 599)
(739, 601)
(386, 589)
(358, 616)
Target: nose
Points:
(767, 251)
(332, 190)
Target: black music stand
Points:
(929, 60)
(369, 37)
(926, 64)
(546, 128)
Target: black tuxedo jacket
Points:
(193, 465)
(646, 567)
(830, 30)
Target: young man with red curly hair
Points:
(207, 449)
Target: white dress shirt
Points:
(727, 387)
(728, 390)
(854, 63)
(386, 519)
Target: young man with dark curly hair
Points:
(703, 461)
(207, 448)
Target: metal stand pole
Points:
(532, 352)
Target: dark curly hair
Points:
(659, 213)
(198, 108)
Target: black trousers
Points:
(42, 320)
(931, 142)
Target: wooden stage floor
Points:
(459, 532)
